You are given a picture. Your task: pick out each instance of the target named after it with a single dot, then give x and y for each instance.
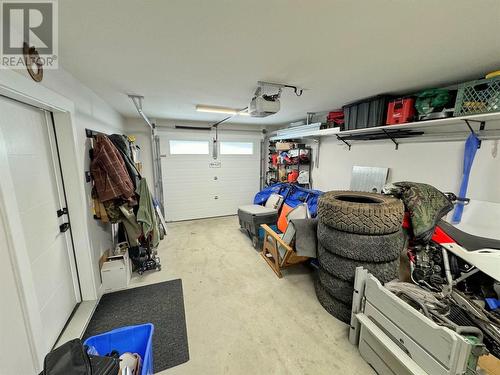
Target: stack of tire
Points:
(355, 229)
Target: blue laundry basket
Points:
(134, 339)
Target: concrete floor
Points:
(242, 319)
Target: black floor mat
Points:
(161, 304)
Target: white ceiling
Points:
(179, 53)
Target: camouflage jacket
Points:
(426, 205)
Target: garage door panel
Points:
(184, 184)
(192, 189)
(243, 182)
(242, 174)
(238, 197)
(236, 194)
(187, 178)
(187, 199)
(239, 158)
(187, 162)
(196, 211)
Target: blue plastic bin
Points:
(134, 339)
(261, 231)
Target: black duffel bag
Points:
(72, 358)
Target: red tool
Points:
(400, 111)
(293, 175)
(337, 117)
(274, 159)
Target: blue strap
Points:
(471, 145)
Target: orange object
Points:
(490, 364)
(282, 220)
(293, 175)
(400, 111)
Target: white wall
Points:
(438, 164)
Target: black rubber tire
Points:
(345, 269)
(337, 288)
(334, 307)
(362, 213)
(367, 248)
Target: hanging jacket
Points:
(146, 215)
(108, 170)
(122, 145)
(132, 227)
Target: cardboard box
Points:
(103, 258)
(284, 146)
(116, 271)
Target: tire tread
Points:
(383, 217)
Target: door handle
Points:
(64, 227)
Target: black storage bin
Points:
(251, 221)
(366, 113)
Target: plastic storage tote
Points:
(134, 339)
(366, 113)
(481, 96)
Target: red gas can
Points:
(400, 111)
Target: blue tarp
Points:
(293, 194)
(280, 188)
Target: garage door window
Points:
(236, 148)
(178, 147)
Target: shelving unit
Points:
(275, 171)
(486, 126)
(271, 172)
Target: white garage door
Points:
(195, 185)
(30, 149)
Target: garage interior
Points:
(226, 187)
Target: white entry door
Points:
(31, 152)
(196, 185)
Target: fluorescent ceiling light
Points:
(228, 111)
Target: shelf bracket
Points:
(391, 138)
(469, 126)
(482, 125)
(343, 140)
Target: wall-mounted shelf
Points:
(486, 126)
